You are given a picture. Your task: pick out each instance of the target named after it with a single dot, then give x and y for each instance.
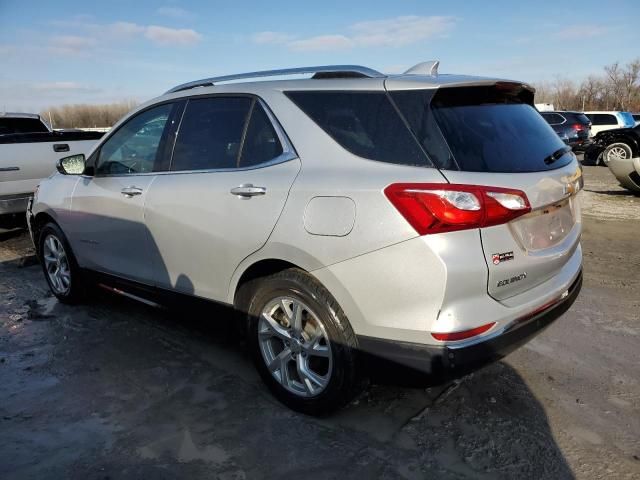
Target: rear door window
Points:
(210, 134)
(481, 129)
(261, 143)
(21, 125)
(604, 119)
(364, 123)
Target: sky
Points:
(70, 51)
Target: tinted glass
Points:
(261, 142)
(486, 129)
(134, 147)
(553, 118)
(636, 117)
(581, 118)
(364, 123)
(21, 125)
(603, 119)
(210, 133)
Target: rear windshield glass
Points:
(364, 123)
(21, 125)
(582, 118)
(485, 129)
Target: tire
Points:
(616, 150)
(60, 266)
(315, 365)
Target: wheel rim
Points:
(56, 265)
(295, 346)
(617, 153)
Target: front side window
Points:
(135, 146)
(210, 134)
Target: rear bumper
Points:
(451, 361)
(14, 204)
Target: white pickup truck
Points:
(29, 151)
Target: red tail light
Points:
(463, 335)
(578, 127)
(444, 207)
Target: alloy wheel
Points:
(295, 346)
(617, 153)
(56, 264)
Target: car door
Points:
(231, 171)
(106, 221)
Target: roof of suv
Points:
(19, 115)
(422, 75)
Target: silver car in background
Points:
(425, 220)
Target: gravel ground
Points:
(117, 389)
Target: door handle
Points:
(60, 147)
(131, 191)
(9, 169)
(248, 190)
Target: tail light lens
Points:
(463, 335)
(443, 207)
(578, 127)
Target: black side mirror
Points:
(72, 165)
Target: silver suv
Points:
(421, 219)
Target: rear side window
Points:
(261, 142)
(603, 119)
(484, 129)
(553, 118)
(21, 125)
(364, 123)
(210, 133)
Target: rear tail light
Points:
(443, 207)
(463, 335)
(578, 127)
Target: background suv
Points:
(427, 220)
(609, 120)
(574, 128)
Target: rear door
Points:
(492, 136)
(231, 172)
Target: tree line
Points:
(616, 88)
(85, 115)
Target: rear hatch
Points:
(491, 136)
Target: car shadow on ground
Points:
(115, 388)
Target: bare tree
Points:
(83, 116)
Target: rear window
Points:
(21, 125)
(364, 123)
(481, 129)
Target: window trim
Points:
(178, 108)
(288, 150)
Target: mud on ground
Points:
(117, 389)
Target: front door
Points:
(230, 175)
(107, 211)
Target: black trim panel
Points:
(49, 137)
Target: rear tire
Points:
(60, 266)
(301, 342)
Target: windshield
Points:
(482, 129)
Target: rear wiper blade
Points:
(557, 154)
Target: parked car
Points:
(601, 121)
(574, 128)
(425, 220)
(620, 151)
(29, 151)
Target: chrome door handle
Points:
(131, 191)
(248, 190)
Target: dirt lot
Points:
(117, 389)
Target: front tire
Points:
(302, 343)
(59, 265)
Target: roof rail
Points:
(325, 71)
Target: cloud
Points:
(272, 37)
(172, 36)
(581, 32)
(64, 87)
(390, 32)
(175, 13)
(71, 44)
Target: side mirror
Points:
(72, 165)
